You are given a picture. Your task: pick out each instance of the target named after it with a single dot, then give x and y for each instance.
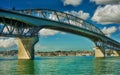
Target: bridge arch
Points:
(20, 32)
(16, 23)
(28, 25)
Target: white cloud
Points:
(72, 2)
(109, 31)
(6, 43)
(63, 33)
(106, 1)
(80, 14)
(107, 15)
(53, 16)
(48, 32)
(38, 47)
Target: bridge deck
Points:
(59, 21)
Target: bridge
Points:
(25, 25)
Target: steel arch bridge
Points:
(27, 23)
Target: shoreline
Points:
(53, 53)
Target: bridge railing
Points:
(61, 17)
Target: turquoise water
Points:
(70, 65)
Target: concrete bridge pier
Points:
(116, 53)
(26, 47)
(99, 52)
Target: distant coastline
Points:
(8, 53)
(66, 53)
(55, 53)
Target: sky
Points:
(105, 14)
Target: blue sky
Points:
(98, 12)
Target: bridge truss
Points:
(13, 27)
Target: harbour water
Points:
(61, 65)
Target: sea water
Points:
(61, 65)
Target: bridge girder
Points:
(61, 17)
(106, 45)
(14, 28)
(77, 26)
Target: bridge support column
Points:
(116, 53)
(99, 52)
(26, 47)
